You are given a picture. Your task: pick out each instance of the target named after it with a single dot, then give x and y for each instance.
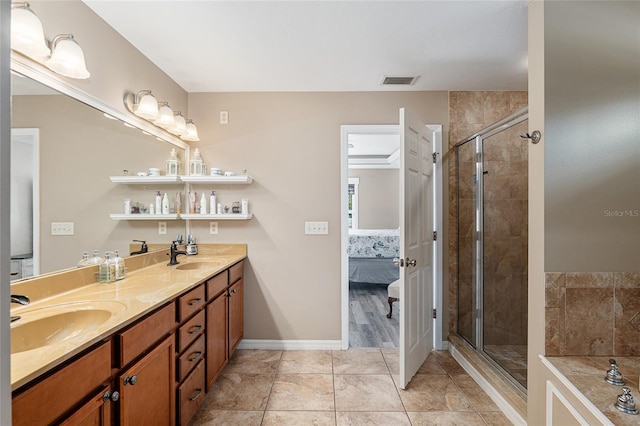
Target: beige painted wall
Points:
(377, 198)
(77, 157)
(290, 144)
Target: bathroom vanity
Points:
(143, 350)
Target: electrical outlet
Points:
(224, 117)
(61, 228)
(316, 228)
(162, 228)
(213, 227)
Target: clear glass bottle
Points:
(107, 269)
(96, 259)
(119, 266)
(85, 260)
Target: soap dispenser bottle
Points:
(107, 270)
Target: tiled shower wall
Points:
(470, 112)
(592, 313)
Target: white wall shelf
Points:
(226, 216)
(138, 180)
(185, 216)
(141, 216)
(241, 180)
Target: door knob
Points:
(410, 262)
(398, 261)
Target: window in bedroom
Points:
(353, 202)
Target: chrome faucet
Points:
(174, 252)
(17, 298)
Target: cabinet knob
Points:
(130, 380)
(233, 291)
(113, 396)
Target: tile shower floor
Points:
(354, 387)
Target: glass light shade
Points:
(192, 132)
(181, 125)
(67, 58)
(27, 35)
(146, 105)
(166, 119)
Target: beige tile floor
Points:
(354, 387)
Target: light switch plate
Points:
(162, 228)
(61, 228)
(316, 228)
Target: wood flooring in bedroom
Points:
(369, 326)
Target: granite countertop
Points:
(127, 300)
(587, 374)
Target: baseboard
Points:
(510, 412)
(291, 344)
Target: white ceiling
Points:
(240, 46)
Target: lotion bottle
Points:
(212, 202)
(158, 203)
(165, 204)
(203, 204)
(178, 203)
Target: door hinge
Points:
(435, 157)
(435, 235)
(435, 314)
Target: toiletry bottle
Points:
(203, 204)
(178, 203)
(127, 206)
(119, 264)
(84, 261)
(106, 270)
(158, 203)
(245, 206)
(220, 208)
(151, 209)
(192, 202)
(165, 204)
(96, 259)
(212, 202)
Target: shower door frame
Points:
(478, 314)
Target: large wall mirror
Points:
(63, 154)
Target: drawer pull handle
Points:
(197, 395)
(130, 380)
(195, 329)
(194, 302)
(197, 356)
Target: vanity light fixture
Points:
(27, 35)
(67, 58)
(181, 125)
(166, 119)
(143, 104)
(192, 132)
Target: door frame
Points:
(376, 129)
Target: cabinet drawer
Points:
(145, 333)
(190, 302)
(191, 394)
(217, 284)
(190, 330)
(50, 398)
(190, 358)
(235, 272)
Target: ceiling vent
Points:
(406, 81)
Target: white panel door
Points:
(416, 245)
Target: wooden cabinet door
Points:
(217, 343)
(95, 412)
(236, 316)
(147, 389)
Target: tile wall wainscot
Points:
(470, 112)
(592, 314)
